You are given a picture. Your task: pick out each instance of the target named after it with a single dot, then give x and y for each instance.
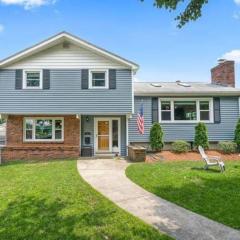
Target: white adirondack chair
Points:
(211, 160)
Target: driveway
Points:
(108, 177)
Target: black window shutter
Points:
(84, 76)
(154, 109)
(19, 79)
(217, 110)
(112, 79)
(46, 79)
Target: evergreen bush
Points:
(237, 135)
(201, 136)
(156, 137)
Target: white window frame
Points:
(25, 71)
(34, 129)
(100, 71)
(197, 100)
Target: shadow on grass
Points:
(20, 162)
(31, 218)
(217, 199)
(213, 170)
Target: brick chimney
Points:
(224, 73)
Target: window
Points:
(115, 136)
(204, 111)
(186, 110)
(43, 129)
(98, 79)
(32, 79)
(166, 110)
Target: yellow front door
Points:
(103, 135)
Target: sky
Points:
(133, 29)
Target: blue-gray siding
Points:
(65, 95)
(174, 131)
(88, 126)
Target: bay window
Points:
(43, 129)
(187, 110)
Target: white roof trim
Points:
(60, 38)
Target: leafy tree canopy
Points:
(191, 12)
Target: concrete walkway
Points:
(108, 177)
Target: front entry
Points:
(107, 135)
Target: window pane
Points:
(29, 134)
(98, 83)
(204, 105)
(98, 79)
(115, 133)
(166, 116)
(204, 115)
(185, 110)
(166, 105)
(43, 129)
(98, 75)
(58, 129)
(29, 124)
(58, 124)
(33, 79)
(58, 134)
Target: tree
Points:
(201, 136)
(237, 134)
(191, 12)
(156, 137)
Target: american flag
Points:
(140, 120)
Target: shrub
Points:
(228, 147)
(180, 146)
(156, 137)
(237, 135)
(201, 136)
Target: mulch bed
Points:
(190, 156)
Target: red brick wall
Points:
(17, 149)
(224, 74)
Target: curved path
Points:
(108, 177)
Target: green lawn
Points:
(210, 193)
(49, 200)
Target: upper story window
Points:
(32, 79)
(186, 110)
(98, 79)
(43, 129)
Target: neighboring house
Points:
(65, 97)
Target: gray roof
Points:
(183, 89)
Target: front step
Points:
(104, 155)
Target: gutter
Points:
(201, 94)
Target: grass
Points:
(49, 200)
(209, 193)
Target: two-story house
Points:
(65, 97)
